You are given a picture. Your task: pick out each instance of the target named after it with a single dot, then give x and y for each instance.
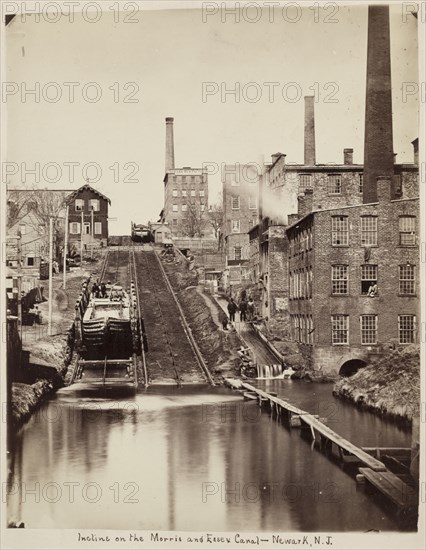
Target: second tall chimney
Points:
(348, 156)
(309, 131)
(378, 140)
(170, 148)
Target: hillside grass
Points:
(389, 386)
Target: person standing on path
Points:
(250, 309)
(243, 310)
(223, 318)
(232, 308)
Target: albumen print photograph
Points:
(212, 259)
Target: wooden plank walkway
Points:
(401, 494)
(316, 426)
(374, 471)
(277, 400)
(342, 443)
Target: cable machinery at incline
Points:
(141, 233)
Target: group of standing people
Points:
(245, 307)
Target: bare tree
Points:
(17, 206)
(35, 207)
(45, 205)
(216, 220)
(195, 220)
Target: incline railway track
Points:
(169, 353)
(172, 355)
(118, 268)
(141, 326)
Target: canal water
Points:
(192, 458)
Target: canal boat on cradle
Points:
(106, 322)
(107, 357)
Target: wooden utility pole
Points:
(81, 239)
(92, 230)
(66, 245)
(49, 330)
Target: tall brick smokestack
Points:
(378, 141)
(309, 131)
(170, 147)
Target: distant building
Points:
(186, 195)
(161, 233)
(241, 211)
(254, 254)
(28, 213)
(88, 207)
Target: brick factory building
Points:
(186, 195)
(365, 295)
(311, 188)
(340, 277)
(240, 213)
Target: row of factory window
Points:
(368, 228)
(236, 202)
(186, 179)
(300, 281)
(340, 227)
(302, 329)
(184, 207)
(334, 184)
(93, 204)
(369, 329)
(369, 280)
(184, 193)
(301, 242)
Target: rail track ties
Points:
(173, 356)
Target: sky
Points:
(160, 65)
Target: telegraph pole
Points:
(49, 330)
(66, 245)
(81, 240)
(92, 231)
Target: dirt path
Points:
(261, 353)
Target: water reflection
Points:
(188, 459)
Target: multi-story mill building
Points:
(240, 211)
(340, 277)
(186, 194)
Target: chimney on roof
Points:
(276, 156)
(170, 148)
(305, 203)
(309, 145)
(378, 140)
(416, 150)
(348, 156)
